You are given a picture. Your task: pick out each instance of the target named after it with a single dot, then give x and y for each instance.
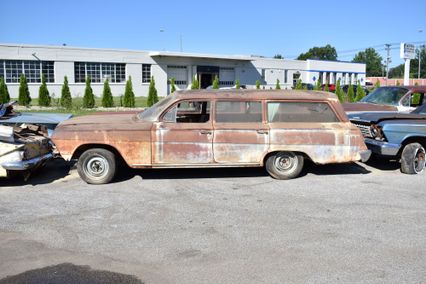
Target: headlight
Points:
(376, 132)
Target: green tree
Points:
(317, 85)
(360, 93)
(88, 98)
(257, 84)
(43, 93)
(129, 96)
(377, 84)
(299, 85)
(326, 88)
(278, 56)
(373, 61)
(339, 92)
(398, 83)
(327, 52)
(66, 99)
(350, 94)
(216, 82)
(195, 84)
(277, 85)
(152, 93)
(4, 92)
(24, 98)
(237, 84)
(107, 99)
(172, 85)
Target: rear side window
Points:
(238, 111)
(300, 112)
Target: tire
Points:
(284, 165)
(413, 159)
(97, 166)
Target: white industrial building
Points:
(117, 65)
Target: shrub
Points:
(398, 83)
(326, 88)
(237, 84)
(129, 96)
(24, 98)
(107, 100)
(66, 100)
(257, 84)
(377, 85)
(317, 86)
(4, 92)
(152, 93)
(277, 85)
(339, 93)
(216, 82)
(360, 93)
(299, 85)
(350, 94)
(88, 98)
(172, 85)
(43, 93)
(195, 84)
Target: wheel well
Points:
(274, 152)
(82, 148)
(421, 140)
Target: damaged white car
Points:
(23, 148)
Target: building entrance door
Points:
(206, 75)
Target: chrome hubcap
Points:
(97, 167)
(285, 161)
(419, 160)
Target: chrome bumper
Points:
(365, 155)
(382, 148)
(26, 164)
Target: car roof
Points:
(256, 94)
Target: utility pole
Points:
(388, 60)
(420, 53)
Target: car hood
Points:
(93, 122)
(367, 107)
(376, 117)
(36, 118)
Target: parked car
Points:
(331, 87)
(24, 139)
(395, 98)
(222, 128)
(396, 135)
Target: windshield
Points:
(150, 114)
(385, 96)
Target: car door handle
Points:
(208, 132)
(260, 131)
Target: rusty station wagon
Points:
(215, 128)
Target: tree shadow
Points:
(53, 170)
(65, 273)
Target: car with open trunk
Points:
(277, 129)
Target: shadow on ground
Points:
(53, 170)
(383, 164)
(69, 273)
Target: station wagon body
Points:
(215, 128)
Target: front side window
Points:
(238, 111)
(300, 112)
(189, 112)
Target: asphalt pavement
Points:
(335, 224)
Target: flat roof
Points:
(199, 55)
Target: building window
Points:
(99, 72)
(286, 76)
(11, 70)
(179, 72)
(146, 73)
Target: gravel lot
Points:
(337, 223)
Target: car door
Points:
(184, 135)
(240, 134)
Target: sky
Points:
(264, 28)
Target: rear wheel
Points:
(284, 165)
(413, 159)
(97, 166)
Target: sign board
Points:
(407, 51)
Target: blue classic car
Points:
(393, 134)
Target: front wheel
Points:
(97, 166)
(284, 165)
(413, 159)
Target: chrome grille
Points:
(365, 129)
